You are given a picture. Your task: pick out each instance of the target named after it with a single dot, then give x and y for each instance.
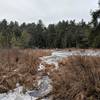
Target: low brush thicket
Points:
(78, 78)
(19, 66)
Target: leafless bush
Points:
(78, 78)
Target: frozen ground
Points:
(59, 55)
(44, 84)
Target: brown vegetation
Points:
(19, 66)
(78, 78)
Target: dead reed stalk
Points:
(78, 78)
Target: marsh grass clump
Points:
(78, 78)
(18, 66)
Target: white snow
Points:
(41, 67)
(16, 95)
(59, 55)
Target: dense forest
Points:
(64, 34)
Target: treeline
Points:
(64, 34)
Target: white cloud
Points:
(50, 11)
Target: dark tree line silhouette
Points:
(64, 34)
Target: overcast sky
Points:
(50, 11)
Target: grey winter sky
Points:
(50, 11)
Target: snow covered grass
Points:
(16, 94)
(60, 54)
(32, 70)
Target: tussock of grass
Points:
(19, 66)
(78, 78)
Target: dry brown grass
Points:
(78, 78)
(19, 66)
(38, 52)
